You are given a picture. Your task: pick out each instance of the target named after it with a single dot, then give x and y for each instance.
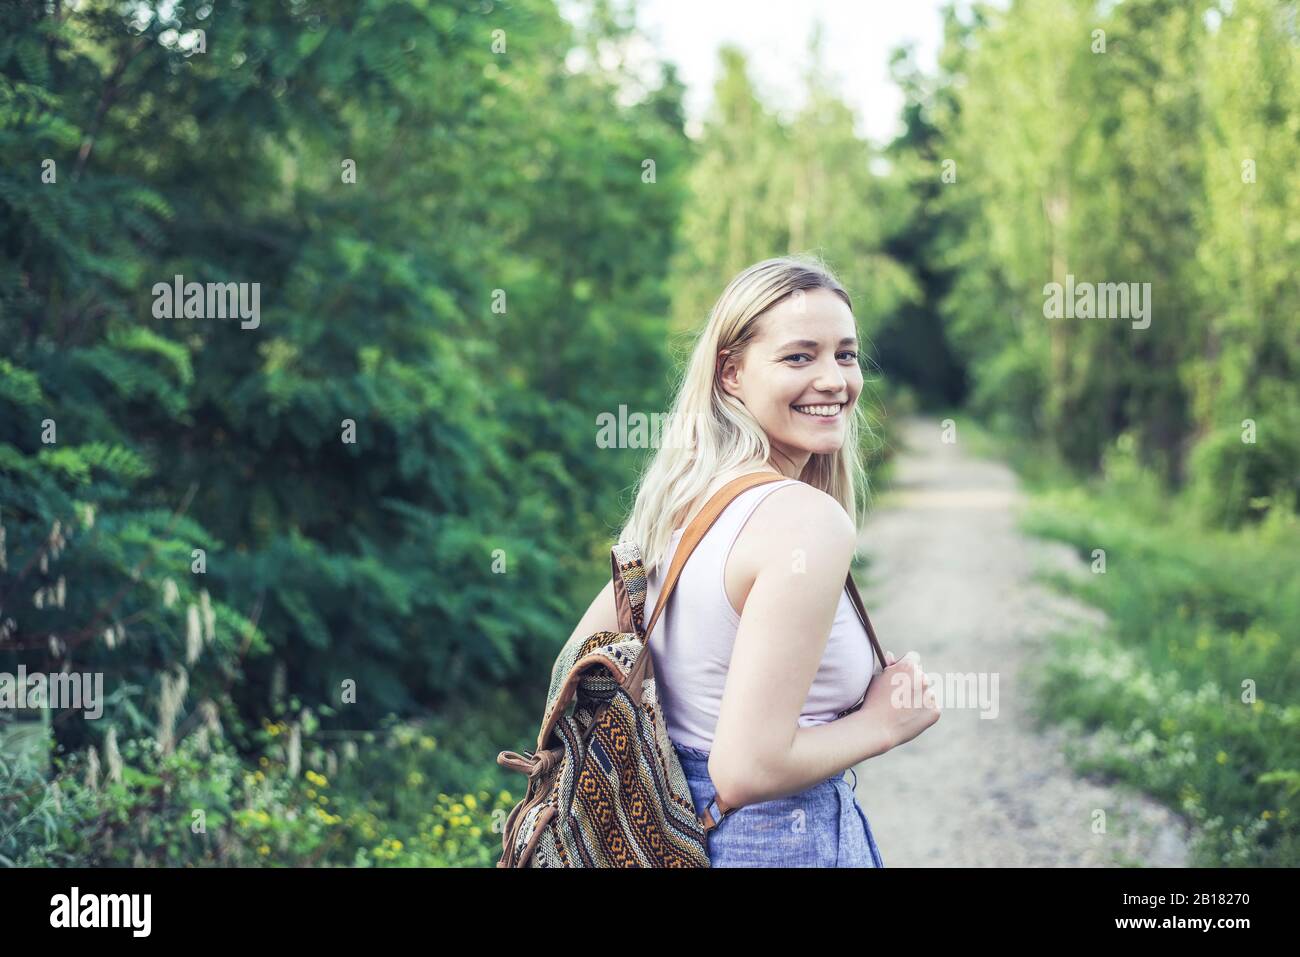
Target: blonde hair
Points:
(719, 436)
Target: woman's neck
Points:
(788, 464)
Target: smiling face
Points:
(800, 377)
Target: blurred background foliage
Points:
(507, 266)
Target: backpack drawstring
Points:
(530, 763)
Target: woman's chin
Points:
(826, 446)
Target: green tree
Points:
(489, 282)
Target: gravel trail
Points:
(952, 578)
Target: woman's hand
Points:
(899, 699)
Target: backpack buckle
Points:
(715, 813)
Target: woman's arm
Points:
(800, 542)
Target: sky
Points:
(858, 36)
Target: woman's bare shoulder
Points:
(802, 505)
(797, 516)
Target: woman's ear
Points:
(729, 373)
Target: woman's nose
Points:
(830, 379)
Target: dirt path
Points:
(951, 578)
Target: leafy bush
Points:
(1236, 480)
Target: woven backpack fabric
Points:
(605, 786)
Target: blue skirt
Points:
(823, 826)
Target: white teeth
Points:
(827, 410)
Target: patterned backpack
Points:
(605, 786)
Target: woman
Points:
(759, 649)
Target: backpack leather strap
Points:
(861, 609)
(690, 538)
(698, 527)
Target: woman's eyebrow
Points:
(813, 343)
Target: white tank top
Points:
(693, 639)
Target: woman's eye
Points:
(853, 356)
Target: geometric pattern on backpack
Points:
(605, 786)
